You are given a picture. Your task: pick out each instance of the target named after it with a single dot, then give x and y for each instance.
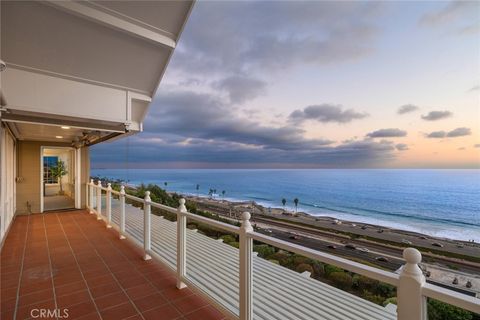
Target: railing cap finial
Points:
(246, 216)
(122, 189)
(147, 196)
(109, 186)
(181, 201)
(412, 255)
(91, 181)
(99, 183)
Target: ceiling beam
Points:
(114, 22)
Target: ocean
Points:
(442, 203)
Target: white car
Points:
(363, 250)
(406, 241)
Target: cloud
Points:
(458, 132)
(474, 88)
(453, 12)
(401, 146)
(437, 115)
(437, 134)
(326, 113)
(200, 130)
(477, 145)
(387, 133)
(241, 88)
(267, 35)
(407, 108)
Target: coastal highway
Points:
(319, 240)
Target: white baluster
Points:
(146, 226)
(411, 304)
(99, 200)
(246, 266)
(109, 205)
(181, 244)
(90, 194)
(122, 212)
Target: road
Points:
(319, 240)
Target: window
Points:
(48, 163)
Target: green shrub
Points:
(304, 267)
(264, 250)
(227, 238)
(330, 269)
(389, 300)
(441, 311)
(341, 279)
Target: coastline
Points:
(233, 209)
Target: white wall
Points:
(7, 180)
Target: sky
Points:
(278, 84)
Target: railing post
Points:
(411, 304)
(246, 266)
(109, 205)
(146, 226)
(122, 212)
(90, 195)
(181, 243)
(99, 200)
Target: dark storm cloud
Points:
(267, 35)
(458, 132)
(407, 108)
(326, 113)
(437, 115)
(387, 133)
(184, 126)
(241, 88)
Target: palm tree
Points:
(165, 184)
(296, 204)
(223, 194)
(58, 172)
(214, 193)
(198, 188)
(210, 192)
(284, 202)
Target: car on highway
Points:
(331, 246)
(406, 241)
(437, 244)
(382, 259)
(365, 250)
(350, 246)
(294, 236)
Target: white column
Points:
(246, 280)
(122, 212)
(99, 200)
(411, 304)
(90, 189)
(146, 226)
(109, 205)
(181, 244)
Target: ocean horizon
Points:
(437, 202)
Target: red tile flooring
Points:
(69, 260)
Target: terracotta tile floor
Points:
(69, 260)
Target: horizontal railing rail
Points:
(412, 289)
(352, 266)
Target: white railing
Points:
(412, 289)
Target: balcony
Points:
(70, 263)
(140, 265)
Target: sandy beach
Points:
(368, 232)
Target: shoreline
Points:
(363, 229)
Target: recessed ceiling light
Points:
(59, 137)
(65, 127)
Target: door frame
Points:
(75, 155)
